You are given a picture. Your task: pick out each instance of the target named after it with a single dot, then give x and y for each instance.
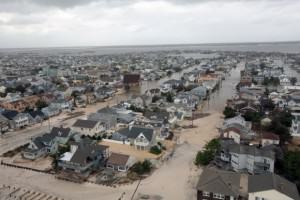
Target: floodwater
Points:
(218, 98)
(227, 90)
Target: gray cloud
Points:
(26, 23)
(65, 4)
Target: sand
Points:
(175, 179)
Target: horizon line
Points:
(152, 45)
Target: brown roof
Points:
(117, 159)
(234, 129)
(270, 136)
(131, 78)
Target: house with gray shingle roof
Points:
(215, 184)
(88, 127)
(251, 159)
(271, 186)
(47, 143)
(141, 138)
(84, 157)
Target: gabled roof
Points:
(36, 113)
(10, 114)
(257, 183)
(250, 150)
(221, 182)
(87, 152)
(118, 159)
(131, 78)
(85, 123)
(134, 132)
(270, 136)
(61, 132)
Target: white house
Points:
(269, 139)
(141, 138)
(271, 186)
(251, 159)
(120, 162)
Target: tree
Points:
(281, 130)
(155, 150)
(267, 92)
(207, 155)
(204, 158)
(252, 116)
(169, 97)
(74, 95)
(213, 145)
(229, 112)
(41, 104)
(142, 167)
(155, 98)
(291, 165)
(20, 88)
(294, 80)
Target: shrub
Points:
(204, 157)
(155, 150)
(229, 112)
(142, 167)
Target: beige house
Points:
(88, 127)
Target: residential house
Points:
(215, 184)
(16, 120)
(153, 92)
(268, 138)
(88, 127)
(35, 117)
(142, 101)
(251, 159)
(199, 91)
(293, 102)
(50, 111)
(141, 138)
(237, 120)
(187, 99)
(284, 80)
(131, 80)
(84, 157)
(107, 120)
(171, 84)
(119, 162)
(4, 124)
(18, 105)
(271, 186)
(47, 143)
(61, 104)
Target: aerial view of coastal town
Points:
(149, 100)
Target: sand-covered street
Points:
(175, 179)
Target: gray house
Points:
(251, 159)
(4, 124)
(141, 138)
(84, 157)
(47, 143)
(108, 121)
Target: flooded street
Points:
(227, 90)
(217, 99)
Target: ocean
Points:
(282, 47)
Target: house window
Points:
(218, 196)
(206, 194)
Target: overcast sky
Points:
(39, 23)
